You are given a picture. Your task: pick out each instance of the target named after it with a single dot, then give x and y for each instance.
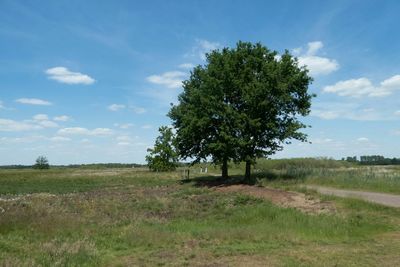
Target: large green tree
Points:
(163, 157)
(244, 103)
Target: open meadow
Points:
(133, 217)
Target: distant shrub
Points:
(41, 163)
(300, 163)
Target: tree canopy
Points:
(244, 103)
(163, 157)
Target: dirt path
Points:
(282, 198)
(380, 198)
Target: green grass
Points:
(133, 217)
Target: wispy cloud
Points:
(124, 125)
(41, 117)
(317, 65)
(115, 107)
(171, 79)
(362, 139)
(33, 101)
(186, 66)
(85, 131)
(364, 87)
(63, 75)
(139, 110)
(349, 111)
(62, 118)
(202, 47)
(44, 121)
(110, 38)
(23, 139)
(7, 125)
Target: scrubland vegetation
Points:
(133, 217)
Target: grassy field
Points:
(132, 217)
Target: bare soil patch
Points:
(282, 198)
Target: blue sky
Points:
(91, 81)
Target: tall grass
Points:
(328, 172)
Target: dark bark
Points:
(247, 175)
(225, 169)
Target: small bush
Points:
(41, 163)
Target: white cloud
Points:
(85, 131)
(186, 66)
(43, 120)
(314, 47)
(124, 138)
(364, 87)
(1, 105)
(147, 126)
(297, 51)
(41, 117)
(62, 118)
(397, 113)
(325, 114)
(317, 65)
(362, 139)
(392, 82)
(320, 141)
(171, 79)
(115, 107)
(139, 110)
(33, 101)
(207, 45)
(202, 47)
(63, 75)
(124, 144)
(7, 125)
(24, 139)
(353, 87)
(124, 125)
(48, 124)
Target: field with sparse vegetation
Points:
(133, 217)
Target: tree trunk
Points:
(225, 169)
(247, 175)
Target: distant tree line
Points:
(85, 166)
(373, 160)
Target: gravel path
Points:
(380, 198)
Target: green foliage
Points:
(373, 160)
(41, 163)
(242, 105)
(163, 157)
(301, 163)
